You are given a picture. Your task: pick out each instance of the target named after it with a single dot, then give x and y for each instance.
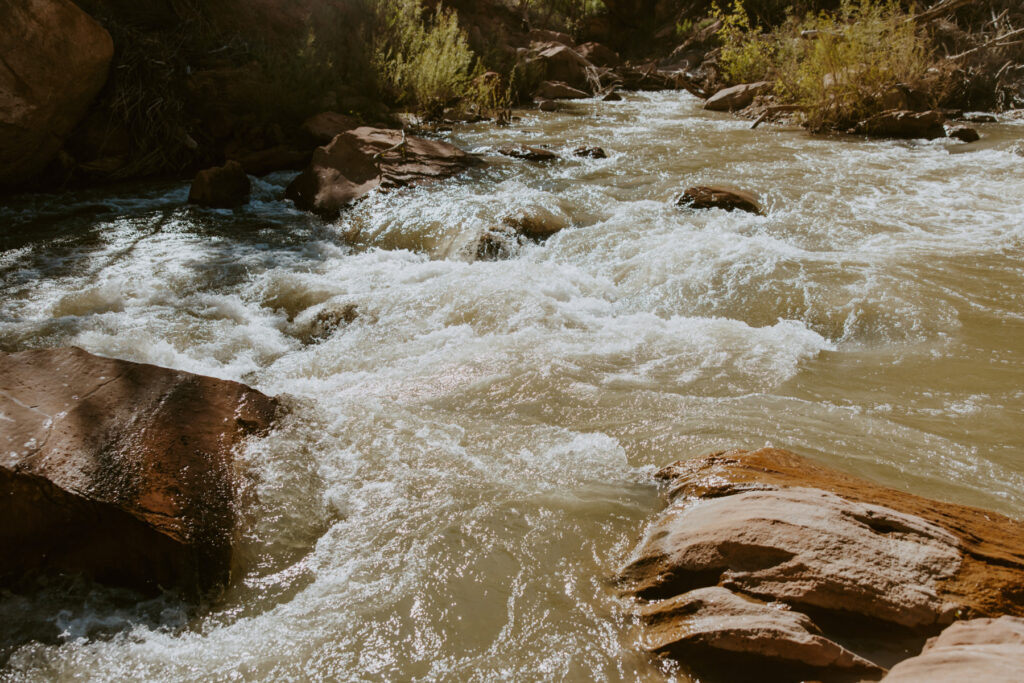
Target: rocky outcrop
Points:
(707, 197)
(976, 650)
(122, 471)
(598, 54)
(902, 124)
(857, 557)
(362, 160)
(717, 624)
(53, 61)
(561, 63)
(737, 97)
(222, 187)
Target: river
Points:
(467, 463)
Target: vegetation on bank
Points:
(840, 66)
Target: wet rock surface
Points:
(54, 60)
(963, 133)
(364, 159)
(861, 559)
(714, 197)
(121, 471)
(527, 153)
(978, 650)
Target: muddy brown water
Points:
(469, 460)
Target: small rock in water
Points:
(737, 97)
(906, 125)
(527, 153)
(963, 133)
(498, 243)
(979, 118)
(613, 96)
(222, 187)
(705, 197)
(547, 105)
(590, 152)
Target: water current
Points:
(467, 463)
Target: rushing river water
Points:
(468, 462)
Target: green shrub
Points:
(747, 55)
(422, 61)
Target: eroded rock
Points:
(590, 152)
(976, 650)
(963, 133)
(713, 197)
(772, 525)
(118, 470)
(561, 63)
(527, 153)
(53, 61)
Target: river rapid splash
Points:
(468, 461)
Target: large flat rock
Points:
(777, 527)
(119, 470)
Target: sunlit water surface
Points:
(468, 462)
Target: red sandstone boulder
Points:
(53, 61)
(976, 650)
(705, 197)
(362, 160)
(875, 567)
(119, 470)
(737, 97)
(221, 187)
(904, 125)
(561, 63)
(324, 127)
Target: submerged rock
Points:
(737, 97)
(53, 62)
(222, 187)
(709, 197)
(527, 153)
(121, 471)
(590, 152)
(976, 650)
(963, 133)
(777, 527)
(904, 124)
(364, 159)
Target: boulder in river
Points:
(590, 152)
(118, 470)
(870, 564)
(364, 159)
(903, 124)
(712, 197)
(527, 153)
(737, 97)
(963, 133)
(556, 90)
(53, 62)
(975, 650)
(221, 187)
(561, 63)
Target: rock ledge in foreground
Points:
(120, 471)
(863, 560)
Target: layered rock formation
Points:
(359, 161)
(118, 470)
(868, 564)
